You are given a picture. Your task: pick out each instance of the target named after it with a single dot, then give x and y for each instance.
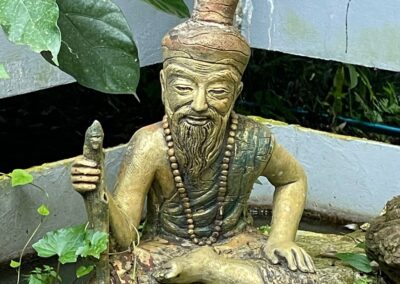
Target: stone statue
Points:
(196, 169)
(382, 240)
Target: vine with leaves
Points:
(68, 244)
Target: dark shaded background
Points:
(49, 125)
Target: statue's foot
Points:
(188, 268)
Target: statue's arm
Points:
(290, 181)
(135, 177)
(134, 180)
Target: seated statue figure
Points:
(196, 168)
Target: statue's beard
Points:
(197, 146)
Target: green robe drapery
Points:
(253, 148)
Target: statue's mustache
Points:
(188, 112)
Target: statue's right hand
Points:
(85, 175)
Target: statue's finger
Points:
(172, 272)
(85, 178)
(310, 263)
(85, 171)
(291, 261)
(301, 263)
(83, 187)
(270, 255)
(85, 163)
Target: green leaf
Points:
(95, 243)
(338, 80)
(43, 210)
(3, 72)
(337, 106)
(63, 242)
(173, 7)
(358, 261)
(33, 23)
(45, 277)
(265, 229)
(361, 245)
(20, 177)
(98, 48)
(15, 264)
(363, 280)
(37, 279)
(353, 76)
(84, 270)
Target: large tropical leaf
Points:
(69, 243)
(32, 22)
(63, 243)
(97, 46)
(174, 7)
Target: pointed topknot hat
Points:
(209, 36)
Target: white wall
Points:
(318, 28)
(311, 28)
(347, 176)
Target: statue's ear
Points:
(163, 86)
(239, 90)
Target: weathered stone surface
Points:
(383, 240)
(322, 247)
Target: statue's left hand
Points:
(296, 257)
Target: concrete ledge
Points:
(18, 205)
(348, 177)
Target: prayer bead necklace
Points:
(222, 183)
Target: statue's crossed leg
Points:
(238, 260)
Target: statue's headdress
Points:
(209, 35)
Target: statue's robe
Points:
(166, 234)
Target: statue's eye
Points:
(217, 92)
(183, 88)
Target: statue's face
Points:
(198, 99)
(198, 88)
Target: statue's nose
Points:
(199, 103)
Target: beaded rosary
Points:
(222, 186)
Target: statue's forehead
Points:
(196, 68)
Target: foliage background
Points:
(317, 94)
(276, 86)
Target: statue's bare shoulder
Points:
(147, 143)
(143, 157)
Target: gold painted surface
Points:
(204, 59)
(322, 247)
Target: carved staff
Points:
(96, 202)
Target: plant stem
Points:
(58, 272)
(41, 189)
(24, 248)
